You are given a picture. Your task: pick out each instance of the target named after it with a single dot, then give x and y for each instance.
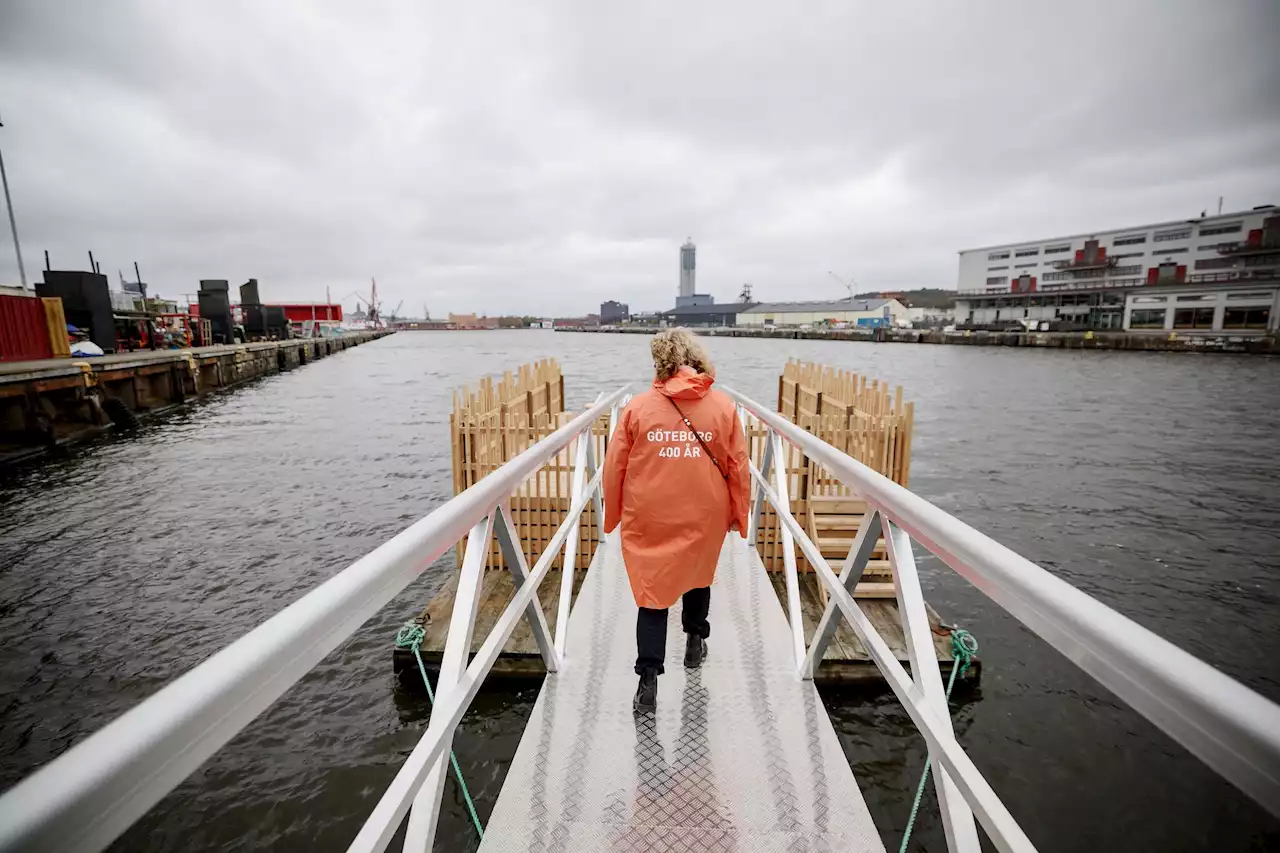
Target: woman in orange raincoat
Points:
(676, 478)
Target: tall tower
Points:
(688, 267)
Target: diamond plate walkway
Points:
(740, 755)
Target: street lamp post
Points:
(13, 224)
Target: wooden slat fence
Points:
(497, 420)
(863, 417)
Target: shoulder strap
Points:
(710, 455)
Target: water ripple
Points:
(1145, 480)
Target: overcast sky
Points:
(547, 156)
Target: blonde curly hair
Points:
(673, 349)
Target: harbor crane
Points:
(850, 285)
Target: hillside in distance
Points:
(921, 297)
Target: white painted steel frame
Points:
(790, 576)
(950, 759)
(462, 622)
(86, 797)
(1231, 728)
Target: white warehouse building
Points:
(854, 312)
(1136, 278)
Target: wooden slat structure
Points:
(498, 420)
(865, 418)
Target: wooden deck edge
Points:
(845, 664)
(517, 669)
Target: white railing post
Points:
(421, 831)
(757, 505)
(794, 613)
(569, 563)
(597, 494)
(957, 818)
(513, 556)
(385, 818)
(1003, 830)
(864, 545)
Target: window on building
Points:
(1224, 228)
(1054, 250)
(1211, 247)
(1215, 263)
(1246, 318)
(1130, 240)
(1175, 234)
(993, 269)
(997, 279)
(1129, 270)
(1026, 253)
(1128, 255)
(997, 256)
(1193, 318)
(1024, 266)
(1262, 261)
(1147, 318)
(1261, 294)
(1175, 250)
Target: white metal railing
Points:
(86, 797)
(1225, 724)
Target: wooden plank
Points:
(496, 593)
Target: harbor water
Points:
(1146, 480)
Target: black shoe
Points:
(647, 693)
(695, 651)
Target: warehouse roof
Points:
(821, 305)
(722, 308)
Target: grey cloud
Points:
(543, 157)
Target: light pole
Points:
(13, 224)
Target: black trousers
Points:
(651, 628)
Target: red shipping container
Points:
(1033, 285)
(1181, 274)
(24, 334)
(1153, 275)
(1102, 253)
(1255, 238)
(1079, 254)
(297, 312)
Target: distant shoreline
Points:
(1136, 341)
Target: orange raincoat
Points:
(674, 505)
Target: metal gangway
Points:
(740, 754)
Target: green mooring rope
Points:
(963, 648)
(411, 636)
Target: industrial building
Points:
(867, 313)
(1197, 309)
(724, 314)
(613, 313)
(1229, 262)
